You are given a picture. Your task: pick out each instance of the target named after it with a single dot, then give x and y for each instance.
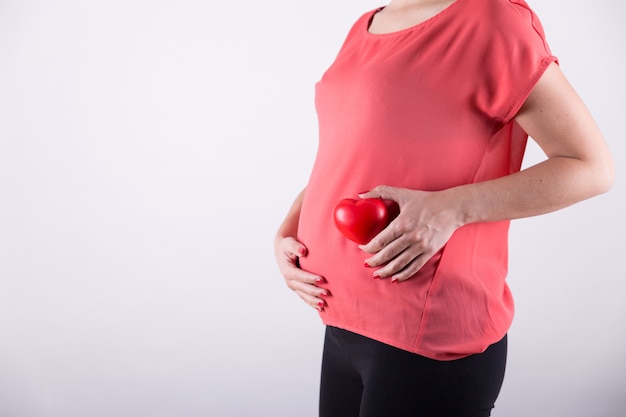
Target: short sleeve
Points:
(514, 56)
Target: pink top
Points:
(428, 108)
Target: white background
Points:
(148, 152)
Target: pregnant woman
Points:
(429, 103)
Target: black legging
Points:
(365, 378)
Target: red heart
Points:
(361, 220)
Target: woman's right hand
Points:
(288, 250)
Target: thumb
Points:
(296, 248)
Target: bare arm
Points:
(578, 167)
(289, 226)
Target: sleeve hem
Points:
(519, 101)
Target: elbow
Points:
(604, 176)
(609, 180)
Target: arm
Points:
(287, 250)
(578, 167)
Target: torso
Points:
(426, 106)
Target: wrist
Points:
(284, 233)
(457, 200)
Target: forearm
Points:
(548, 186)
(289, 226)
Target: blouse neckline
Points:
(417, 26)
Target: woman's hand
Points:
(288, 250)
(426, 222)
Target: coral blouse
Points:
(427, 108)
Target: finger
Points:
(312, 295)
(290, 253)
(293, 273)
(295, 248)
(411, 269)
(390, 234)
(315, 302)
(309, 289)
(401, 265)
(388, 253)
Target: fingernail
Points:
(366, 265)
(301, 251)
(324, 294)
(376, 276)
(320, 280)
(321, 304)
(394, 280)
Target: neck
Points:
(403, 4)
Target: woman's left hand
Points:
(424, 225)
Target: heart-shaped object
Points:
(361, 220)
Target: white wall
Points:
(148, 151)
